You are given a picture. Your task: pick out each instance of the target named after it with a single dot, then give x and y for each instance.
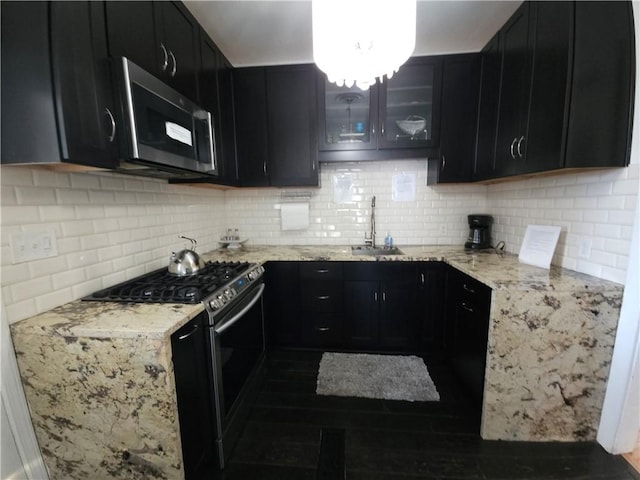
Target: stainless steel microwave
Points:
(167, 134)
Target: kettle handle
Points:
(193, 242)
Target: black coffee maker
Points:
(479, 232)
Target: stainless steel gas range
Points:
(233, 327)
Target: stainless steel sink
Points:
(375, 251)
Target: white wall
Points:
(108, 227)
(112, 227)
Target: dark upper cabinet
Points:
(602, 95)
(216, 96)
(250, 106)
(57, 101)
(161, 37)
(514, 93)
(133, 20)
(556, 109)
(291, 119)
(490, 63)
(178, 33)
(398, 118)
(458, 120)
(275, 126)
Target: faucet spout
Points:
(373, 222)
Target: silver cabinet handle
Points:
(313, 166)
(519, 145)
(112, 136)
(467, 307)
(187, 335)
(165, 62)
(323, 329)
(422, 278)
(323, 297)
(444, 162)
(384, 296)
(513, 144)
(375, 296)
(322, 270)
(172, 73)
(264, 168)
(468, 289)
(382, 129)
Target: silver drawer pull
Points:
(468, 289)
(467, 307)
(323, 329)
(323, 297)
(322, 270)
(187, 335)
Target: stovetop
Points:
(162, 287)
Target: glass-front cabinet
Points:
(347, 116)
(409, 105)
(401, 112)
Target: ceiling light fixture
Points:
(359, 41)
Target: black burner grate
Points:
(161, 287)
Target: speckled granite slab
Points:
(99, 380)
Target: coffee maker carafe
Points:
(479, 232)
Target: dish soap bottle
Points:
(388, 241)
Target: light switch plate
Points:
(584, 248)
(29, 246)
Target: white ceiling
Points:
(279, 32)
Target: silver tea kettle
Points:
(185, 262)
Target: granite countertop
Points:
(130, 320)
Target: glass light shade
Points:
(357, 41)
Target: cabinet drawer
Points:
(474, 294)
(321, 271)
(321, 297)
(323, 330)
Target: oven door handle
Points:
(239, 315)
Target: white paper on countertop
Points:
(538, 245)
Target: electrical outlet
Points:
(33, 245)
(443, 229)
(584, 248)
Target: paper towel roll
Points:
(294, 216)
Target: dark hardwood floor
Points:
(292, 434)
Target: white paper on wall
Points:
(538, 245)
(294, 216)
(343, 188)
(403, 186)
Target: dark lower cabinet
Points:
(57, 98)
(282, 307)
(193, 391)
(468, 304)
(360, 306)
(380, 305)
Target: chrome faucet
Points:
(371, 238)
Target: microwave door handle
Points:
(241, 313)
(212, 143)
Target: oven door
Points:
(238, 351)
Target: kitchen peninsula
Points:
(99, 378)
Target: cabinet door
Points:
(227, 148)
(544, 144)
(409, 113)
(347, 116)
(361, 303)
(193, 391)
(82, 82)
(514, 93)
(282, 307)
(179, 36)
(398, 328)
(250, 100)
(430, 306)
(459, 117)
(602, 95)
(291, 102)
(490, 63)
(127, 21)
